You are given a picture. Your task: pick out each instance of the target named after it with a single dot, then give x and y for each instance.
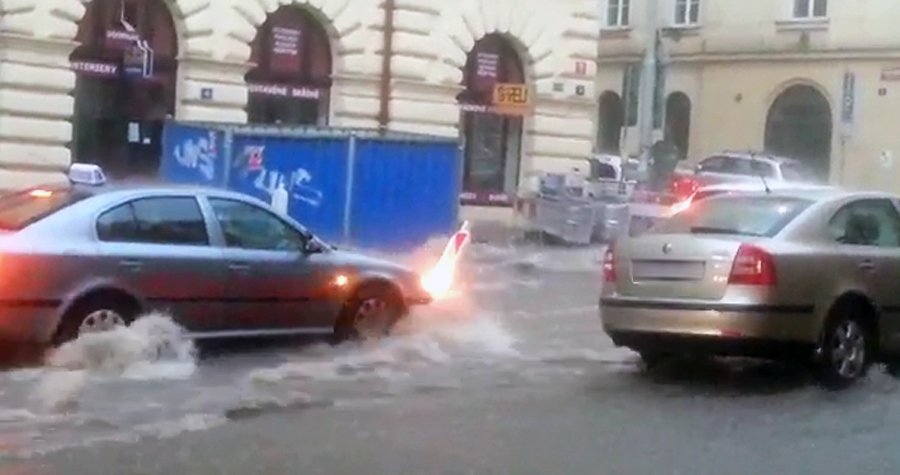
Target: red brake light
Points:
(609, 265)
(752, 266)
(683, 187)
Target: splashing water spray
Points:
(439, 280)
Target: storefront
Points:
(126, 73)
(494, 104)
(291, 82)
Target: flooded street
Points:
(512, 375)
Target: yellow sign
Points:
(511, 95)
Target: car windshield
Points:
(739, 215)
(18, 210)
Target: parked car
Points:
(645, 215)
(87, 256)
(802, 274)
(751, 166)
(757, 186)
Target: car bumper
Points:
(28, 322)
(788, 323)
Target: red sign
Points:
(581, 68)
(285, 49)
(91, 68)
(284, 90)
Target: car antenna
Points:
(762, 175)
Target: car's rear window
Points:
(20, 209)
(738, 215)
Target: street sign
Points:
(848, 103)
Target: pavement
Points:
(512, 376)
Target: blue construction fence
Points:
(360, 188)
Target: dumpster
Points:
(361, 188)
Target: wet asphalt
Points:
(513, 376)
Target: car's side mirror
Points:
(311, 246)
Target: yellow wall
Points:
(744, 53)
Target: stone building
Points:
(94, 80)
(813, 79)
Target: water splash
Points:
(153, 347)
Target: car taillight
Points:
(752, 266)
(683, 187)
(609, 265)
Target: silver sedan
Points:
(805, 274)
(87, 256)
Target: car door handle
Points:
(131, 265)
(239, 267)
(867, 265)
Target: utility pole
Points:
(648, 84)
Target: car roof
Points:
(762, 156)
(818, 194)
(136, 187)
(760, 186)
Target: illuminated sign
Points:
(511, 95)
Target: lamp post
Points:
(647, 93)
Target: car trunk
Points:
(675, 266)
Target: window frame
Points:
(130, 204)
(622, 17)
(304, 236)
(810, 13)
(691, 13)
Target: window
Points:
(796, 172)
(867, 223)
(810, 8)
(249, 227)
(617, 13)
(155, 221)
(19, 210)
(118, 225)
(737, 215)
(687, 12)
(713, 165)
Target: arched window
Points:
(678, 122)
(292, 78)
(611, 121)
(799, 126)
(492, 122)
(126, 70)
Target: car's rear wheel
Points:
(652, 359)
(371, 313)
(846, 350)
(95, 314)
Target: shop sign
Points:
(472, 198)
(511, 95)
(121, 39)
(486, 67)
(138, 60)
(95, 68)
(283, 90)
(890, 74)
(285, 49)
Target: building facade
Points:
(94, 80)
(813, 79)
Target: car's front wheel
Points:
(371, 313)
(846, 351)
